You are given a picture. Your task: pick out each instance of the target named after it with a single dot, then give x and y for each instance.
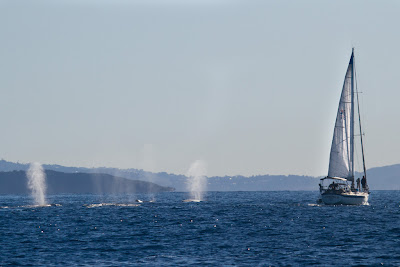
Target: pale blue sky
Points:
(250, 87)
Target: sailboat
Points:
(338, 187)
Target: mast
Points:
(359, 123)
(352, 117)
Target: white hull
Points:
(345, 199)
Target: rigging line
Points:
(363, 111)
(359, 122)
(356, 152)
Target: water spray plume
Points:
(197, 180)
(37, 183)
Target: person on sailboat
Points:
(333, 186)
(358, 184)
(364, 183)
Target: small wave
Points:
(192, 200)
(144, 201)
(314, 205)
(40, 206)
(127, 205)
(111, 204)
(31, 206)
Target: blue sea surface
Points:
(228, 229)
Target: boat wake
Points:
(322, 204)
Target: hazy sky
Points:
(249, 87)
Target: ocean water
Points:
(228, 229)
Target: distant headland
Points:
(14, 182)
(62, 179)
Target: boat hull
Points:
(345, 199)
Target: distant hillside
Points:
(384, 178)
(161, 178)
(179, 182)
(15, 182)
(380, 178)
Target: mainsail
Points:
(342, 150)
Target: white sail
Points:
(342, 150)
